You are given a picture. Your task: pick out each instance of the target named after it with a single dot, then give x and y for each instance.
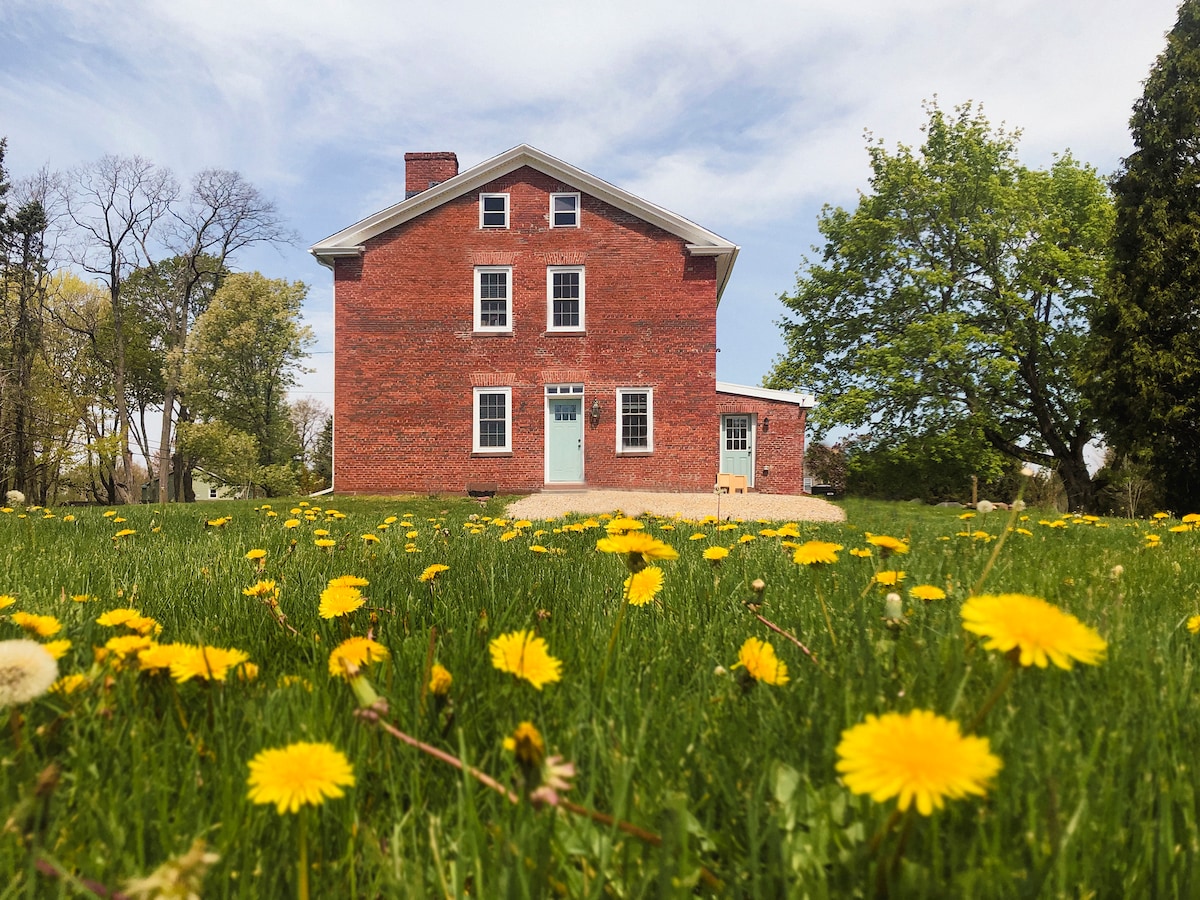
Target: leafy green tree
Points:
(956, 295)
(243, 354)
(1146, 372)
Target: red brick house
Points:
(525, 325)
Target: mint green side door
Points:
(737, 446)
(564, 440)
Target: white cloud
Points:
(744, 117)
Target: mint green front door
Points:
(737, 446)
(564, 439)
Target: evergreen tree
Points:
(1146, 370)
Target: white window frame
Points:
(480, 271)
(578, 209)
(482, 198)
(551, 271)
(620, 417)
(476, 442)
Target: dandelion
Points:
(816, 552)
(1193, 624)
(888, 578)
(927, 592)
(160, 657)
(325, 543)
(7, 600)
(264, 590)
(432, 572)
(918, 756)
(42, 626)
(641, 587)
(124, 532)
(715, 554)
(81, 598)
(636, 547)
(127, 645)
(206, 663)
(985, 507)
(27, 669)
(256, 554)
(300, 774)
(356, 581)
(68, 684)
(57, 649)
(339, 600)
(370, 538)
(356, 652)
(526, 656)
(1041, 632)
(116, 617)
(291, 523)
(623, 525)
(527, 745)
(886, 544)
(440, 680)
(759, 660)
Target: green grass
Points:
(1096, 797)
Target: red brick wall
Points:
(779, 448)
(407, 356)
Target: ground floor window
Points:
(493, 419)
(635, 420)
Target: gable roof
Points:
(808, 401)
(700, 241)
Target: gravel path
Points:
(776, 507)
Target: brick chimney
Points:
(423, 170)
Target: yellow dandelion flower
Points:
(623, 525)
(538, 548)
(82, 598)
(759, 659)
(1191, 519)
(68, 684)
(1160, 516)
(256, 554)
(7, 600)
(508, 536)
(888, 578)
(358, 652)
(265, 589)
(526, 656)
(918, 756)
(206, 663)
(886, 543)
(1039, 630)
(816, 552)
(57, 649)
(42, 626)
(698, 536)
(124, 532)
(432, 572)
(641, 587)
(339, 600)
(1193, 624)
(158, 657)
(636, 547)
(527, 744)
(116, 617)
(299, 774)
(128, 645)
(109, 513)
(370, 538)
(440, 680)
(291, 523)
(348, 581)
(860, 552)
(320, 532)
(927, 592)
(325, 543)
(716, 554)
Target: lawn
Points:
(693, 775)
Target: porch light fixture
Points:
(594, 412)
(766, 423)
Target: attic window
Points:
(493, 210)
(564, 210)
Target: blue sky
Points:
(745, 117)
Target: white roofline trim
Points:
(699, 241)
(808, 401)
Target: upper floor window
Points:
(493, 298)
(635, 420)
(493, 210)
(565, 294)
(564, 210)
